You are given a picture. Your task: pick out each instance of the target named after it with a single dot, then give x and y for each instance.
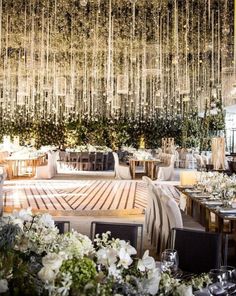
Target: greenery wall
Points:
(107, 131)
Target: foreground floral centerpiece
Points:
(36, 260)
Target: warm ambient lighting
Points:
(188, 178)
(142, 143)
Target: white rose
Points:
(47, 274)
(3, 286)
(52, 261)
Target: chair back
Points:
(156, 217)
(99, 161)
(167, 173)
(84, 157)
(123, 231)
(176, 159)
(50, 158)
(63, 156)
(51, 164)
(116, 164)
(172, 160)
(204, 160)
(152, 213)
(110, 161)
(92, 157)
(199, 160)
(63, 226)
(172, 210)
(73, 157)
(198, 251)
(99, 156)
(55, 159)
(116, 158)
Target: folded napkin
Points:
(228, 211)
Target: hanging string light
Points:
(163, 52)
(83, 2)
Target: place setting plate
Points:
(202, 196)
(193, 191)
(227, 210)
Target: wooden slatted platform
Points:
(78, 197)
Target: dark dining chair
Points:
(124, 231)
(63, 226)
(99, 161)
(92, 157)
(110, 161)
(63, 159)
(84, 161)
(199, 251)
(74, 160)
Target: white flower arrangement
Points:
(74, 244)
(142, 155)
(70, 264)
(38, 232)
(217, 183)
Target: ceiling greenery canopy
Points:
(112, 58)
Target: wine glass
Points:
(229, 279)
(217, 277)
(169, 260)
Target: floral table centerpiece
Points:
(36, 260)
(219, 185)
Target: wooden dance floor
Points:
(77, 197)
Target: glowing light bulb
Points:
(83, 2)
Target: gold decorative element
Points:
(142, 143)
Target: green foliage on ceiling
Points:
(112, 132)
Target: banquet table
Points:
(200, 206)
(24, 165)
(148, 164)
